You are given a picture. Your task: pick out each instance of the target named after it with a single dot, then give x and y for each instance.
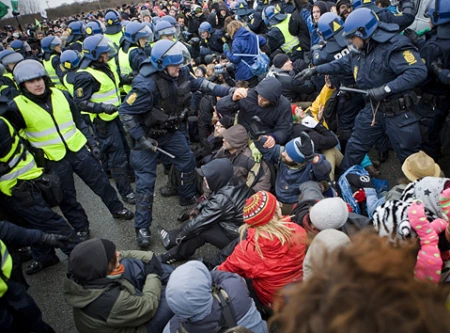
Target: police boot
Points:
(123, 214)
(167, 239)
(37, 266)
(130, 198)
(168, 191)
(143, 238)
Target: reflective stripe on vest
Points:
(108, 93)
(6, 268)
(47, 131)
(69, 86)
(125, 66)
(52, 73)
(289, 41)
(23, 166)
(11, 76)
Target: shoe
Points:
(373, 172)
(84, 235)
(383, 156)
(143, 238)
(124, 214)
(184, 215)
(165, 237)
(130, 198)
(37, 266)
(182, 201)
(167, 258)
(167, 191)
(376, 164)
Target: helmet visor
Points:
(178, 55)
(106, 45)
(146, 33)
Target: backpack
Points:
(261, 61)
(227, 318)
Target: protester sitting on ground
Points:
(216, 220)
(115, 291)
(367, 286)
(272, 252)
(205, 302)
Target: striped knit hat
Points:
(260, 208)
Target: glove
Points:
(306, 146)
(109, 108)
(127, 78)
(378, 94)
(96, 152)
(306, 73)
(412, 36)
(359, 196)
(148, 143)
(436, 67)
(225, 48)
(255, 128)
(54, 240)
(153, 267)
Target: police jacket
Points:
(292, 87)
(135, 57)
(289, 178)
(223, 207)
(387, 58)
(279, 37)
(215, 41)
(52, 66)
(8, 86)
(437, 49)
(146, 95)
(403, 20)
(298, 27)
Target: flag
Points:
(44, 13)
(37, 23)
(3, 9)
(15, 5)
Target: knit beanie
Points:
(110, 249)
(280, 60)
(294, 153)
(329, 213)
(145, 12)
(259, 208)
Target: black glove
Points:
(256, 128)
(436, 67)
(127, 78)
(306, 73)
(153, 267)
(148, 143)
(412, 36)
(306, 146)
(54, 240)
(109, 108)
(378, 94)
(96, 152)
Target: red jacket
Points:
(281, 264)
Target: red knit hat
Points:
(260, 208)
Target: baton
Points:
(358, 91)
(165, 152)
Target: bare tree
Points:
(29, 7)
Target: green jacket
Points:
(120, 309)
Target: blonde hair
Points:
(233, 26)
(275, 228)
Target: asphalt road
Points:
(47, 286)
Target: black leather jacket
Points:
(225, 207)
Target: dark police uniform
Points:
(153, 109)
(389, 59)
(215, 41)
(403, 20)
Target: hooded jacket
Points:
(224, 206)
(103, 305)
(276, 118)
(243, 161)
(244, 42)
(189, 295)
(292, 88)
(282, 264)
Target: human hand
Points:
(239, 93)
(270, 142)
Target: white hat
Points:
(329, 213)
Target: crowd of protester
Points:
(262, 115)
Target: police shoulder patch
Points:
(80, 92)
(224, 39)
(409, 57)
(355, 72)
(131, 98)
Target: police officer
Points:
(387, 65)
(50, 121)
(92, 28)
(279, 36)
(434, 105)
(70, 62)
(164, 30)
(255, 20)
(113, 27)
(96, 91)
(19, 181)
(213, 39)
(132, 51)
(151, 114)
(403, 19)
(21, 47)
(8, 86)
(75, 39)
(51, 46)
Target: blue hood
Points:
(189, 291)
(243, 33)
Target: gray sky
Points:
(53, 3)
